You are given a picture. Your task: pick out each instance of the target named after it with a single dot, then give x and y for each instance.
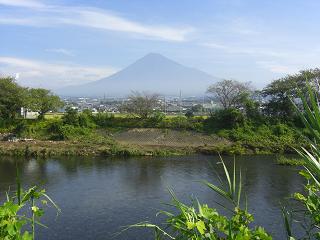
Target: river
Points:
(99, 196)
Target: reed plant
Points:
(199, 221)
(309, 200)
(22, 210)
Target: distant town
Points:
(169, 105)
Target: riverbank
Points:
(135, 142)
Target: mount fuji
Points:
(152, 73)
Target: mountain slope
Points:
(152, 73)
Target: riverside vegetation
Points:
(21, 212)
(249, 122)
(199, 221)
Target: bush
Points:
(84, 119)
(69, 132)
(155, 119)
(103, 119)
(182, 123)
(225, 119)
(71, 117)
(189, 114)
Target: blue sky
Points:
(53, 43)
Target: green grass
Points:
(53, 115)
(282, 160)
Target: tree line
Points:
(237, 99)
(13, 97)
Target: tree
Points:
(197, 108)
(43, 101)
(229, 92)
(278, 93)
(141, 104)
(228, 118)
(12, 98)
(71, 117)
(189, 114)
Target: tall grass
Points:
(310, 115)
(310, 198)
(15, 212)
(199, 221)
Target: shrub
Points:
(225, 119)
(71, 117)
(189, 114)
(103, 119)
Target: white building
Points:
(26, 114)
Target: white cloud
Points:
(42, 15)
(61, 51)
(275, 67)
(244, 50)
(22, 3)
(20, 21)
(51, 75)
(103, 20)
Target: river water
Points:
(100, 196)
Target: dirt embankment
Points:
(168, 138)
(132, 142)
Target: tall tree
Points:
(229, 93)
(278, 93)
(43, 101)
(12, 98)
(141, 104)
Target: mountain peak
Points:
(155, 57)
(153, 73)
(153, 54)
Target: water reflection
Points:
(99, 195)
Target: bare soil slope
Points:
(167, 138)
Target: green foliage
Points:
(282, 160)
(279, 92)
(12, 98)
(156, 118)
(68, 132)
(197, 108)
(310, 199)
(22, 129)
(103, 119)
(42, 101)
(182, 123)
(189, 114)
(277, 138)
(252, 111)
(225, 119)
(199, 221)
(229, 93)
(15, 210)
(71, 117)
(84, 119)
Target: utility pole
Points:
(202, 109)
(180, 102)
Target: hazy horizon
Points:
(56, 43)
